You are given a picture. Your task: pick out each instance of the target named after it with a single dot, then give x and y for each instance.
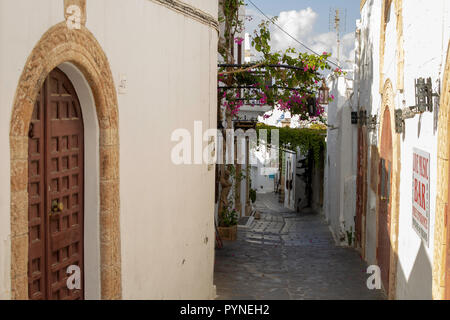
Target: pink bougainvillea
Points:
(238, 40)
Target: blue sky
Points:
(308, 21)
(322, 7)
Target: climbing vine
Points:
(286, 80)
(305, 139)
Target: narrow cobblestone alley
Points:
(288, 255)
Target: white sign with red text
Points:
(421, 194)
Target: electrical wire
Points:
(288, 34)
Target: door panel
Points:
(36, 204)
(360, 188)
(62, 197)
(384, 225)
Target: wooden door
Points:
(384, 200)
(55, 190)
(384, 222)
(360, 188)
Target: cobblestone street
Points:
(288, 255)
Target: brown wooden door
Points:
(55, 177)
(384, 222)
(360, 187)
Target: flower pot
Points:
(228, 233)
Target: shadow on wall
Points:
(418, 285)
(365, 102)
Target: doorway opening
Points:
(384, 201)
(55, 191)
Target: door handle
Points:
(57, 208)
(31, 131)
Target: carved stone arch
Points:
(388, 105)
(441, 259)
(79, 47)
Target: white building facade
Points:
(141, 227)
(401, 155)
(340, 160)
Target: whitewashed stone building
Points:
(340, 161)
(91, 93)
(402, 154)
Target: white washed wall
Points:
(369, 97)
(426, 29)
(339, 183)
(170, 62)
(425, 53)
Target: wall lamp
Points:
(324, 93)
(424, 102)
(364, 120)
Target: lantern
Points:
(324, 93)
(424, 95)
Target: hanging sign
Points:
(421, 194)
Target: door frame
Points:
(384, 183)
(79, 47)
(441, 256)
(389, 104)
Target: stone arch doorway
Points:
(388, 191)
(80, 48)
(441, 259)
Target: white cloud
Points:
(300, 24)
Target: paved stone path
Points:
(288, 255)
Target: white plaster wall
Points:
(368, 96)
(261, 182)
(260, 171)
(340, 190)
(244, 180)
(22, 23)
(426, 31)
(167, 211)
(207, 6)
(332, 163)
(348, 177)
(425, 52)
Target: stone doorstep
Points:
(246, 223)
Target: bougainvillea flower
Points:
(238, 40)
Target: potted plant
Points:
(228, 224)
